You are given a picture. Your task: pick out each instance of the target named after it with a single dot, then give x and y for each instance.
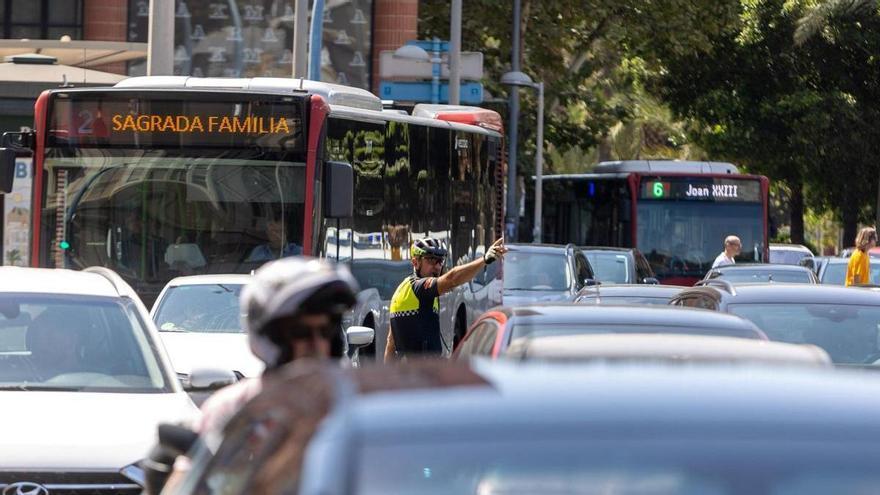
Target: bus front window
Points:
(152, 217)
(682, 238)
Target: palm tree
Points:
(819, 15)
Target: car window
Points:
(487, 338)
(76, 343)
(492, 462)
(610, 267)
(546, 330)
(835, 273)
(536, 271)
(695, 301)
(849, 333)
(471, 345)
(632, 300)
(759, 276)
(582, 269)
(787, 256)
(209, 308)
(643, 268)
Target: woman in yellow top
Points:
(858, 269)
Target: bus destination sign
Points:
(700, 189)
(165, 121)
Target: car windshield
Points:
(536, 271)
(835, 273)
(75, 343)
(849, 333)
(787, 256)
(763, 275)
(572, 463)
(382, 275)
(610, 266)
(545, 330)
(208, 308)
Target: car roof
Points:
(672, 347)
(557, 313)
(57, 281)
(548, 248)
(789, 247)
(777, 293)
(556, 395)
(230, 278)
(606, 248)
(648, 290)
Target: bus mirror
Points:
(7, 169)
(338, 190)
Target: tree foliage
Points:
(589, 54)
(790, 94)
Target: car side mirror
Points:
(208, 379)
(651, 280)
(359, 336)
(7, 169)
(338, 190)
(589, 282)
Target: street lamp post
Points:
(516, 79)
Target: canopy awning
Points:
(77, 53)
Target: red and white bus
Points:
(165, 176)
(676, 213)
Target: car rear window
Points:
(758, 275)
(610, 267)
(849, 333)
(208, 308)
(611, 462)
(545, 330)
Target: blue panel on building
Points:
(471, 92)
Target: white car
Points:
(83, 382)
(199, 320)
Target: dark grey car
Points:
(435, 428)
(620, 265)
(763, 272)
(844, 321)
(544, 272)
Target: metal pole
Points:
(435, 71)
(455, 53)
(539, 163)
(160, 51)
(316, 40)
(300, 35)
(512, 210)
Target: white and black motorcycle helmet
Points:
(286, 287)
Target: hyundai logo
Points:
(25, 488)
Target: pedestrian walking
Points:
(859, 266)
(732, 248)
(415, 307)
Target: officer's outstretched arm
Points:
(464, 273)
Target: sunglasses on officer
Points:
(434, 260)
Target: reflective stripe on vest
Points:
(404, 301)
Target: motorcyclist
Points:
(292, 309)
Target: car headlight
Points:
(134, 472)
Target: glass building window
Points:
(41, 19)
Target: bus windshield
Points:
(682, 238)
(154, 215)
